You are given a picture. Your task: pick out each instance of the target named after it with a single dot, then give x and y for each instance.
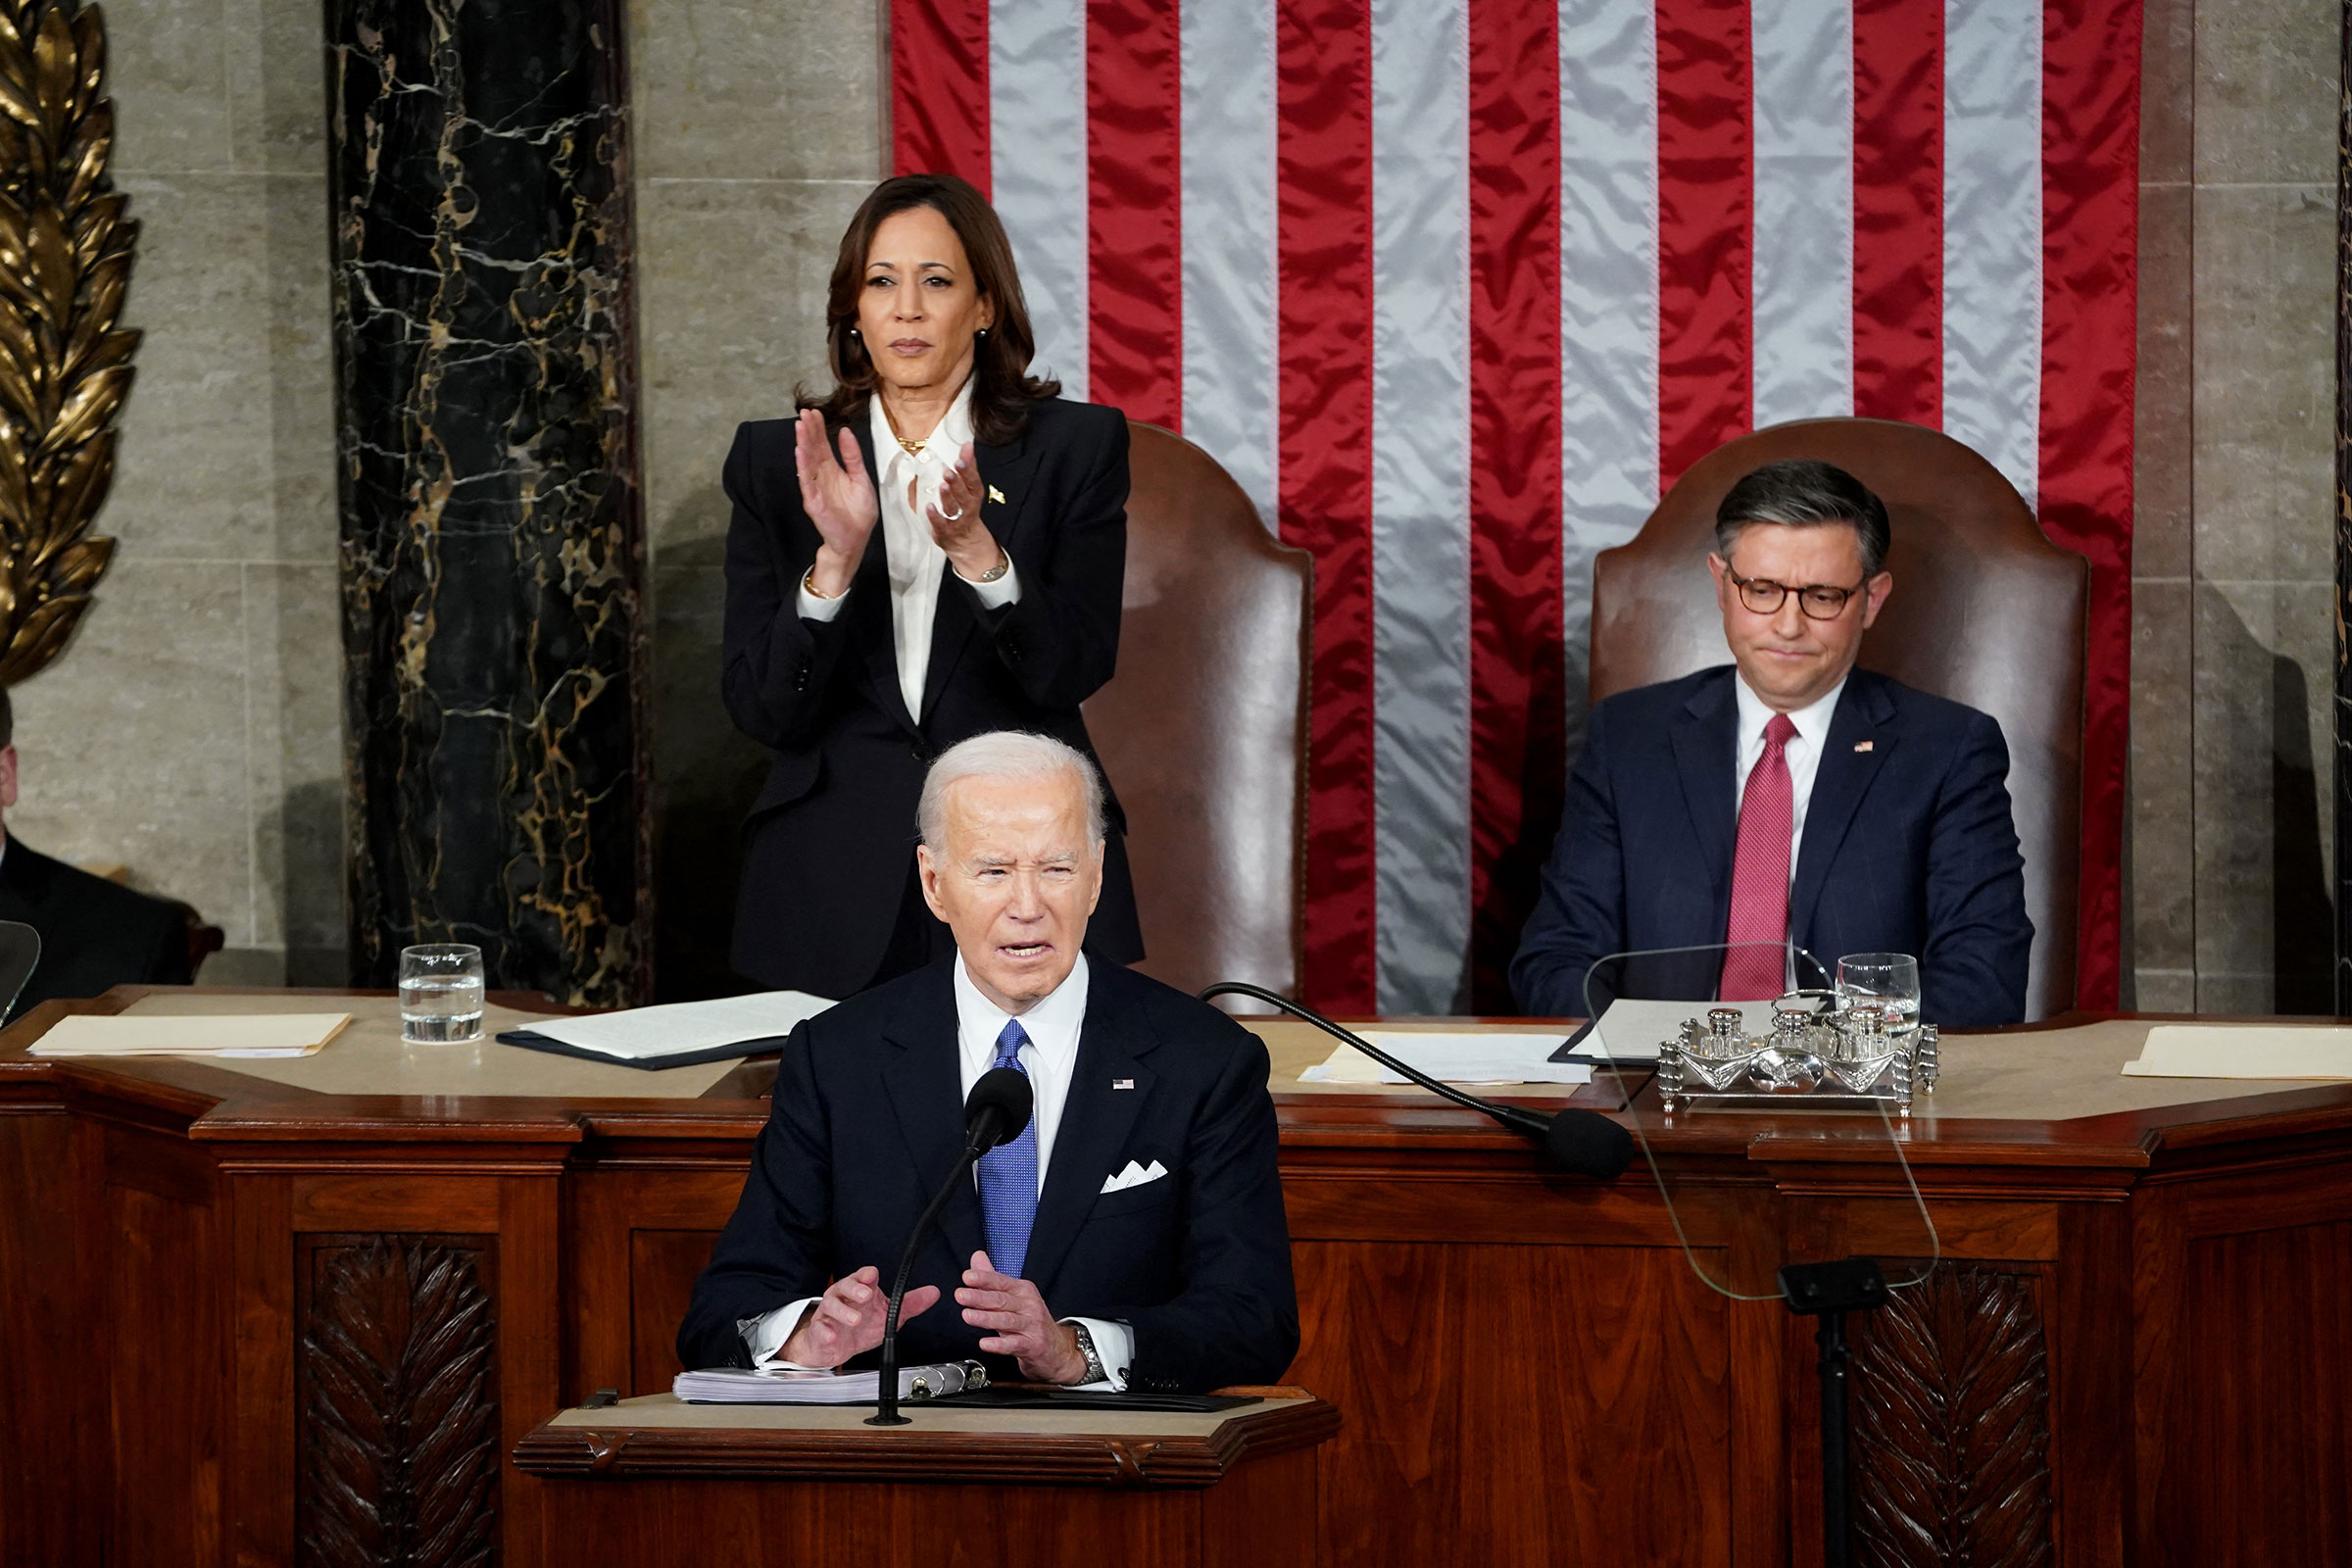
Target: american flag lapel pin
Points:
(995, 495)
(1122, 1083)
(1862, 746)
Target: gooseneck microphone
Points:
(994, 1112)
(1576, 1140)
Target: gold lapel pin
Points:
(1862, 746)
(995, 495)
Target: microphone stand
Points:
(885, 1414)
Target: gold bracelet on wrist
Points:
(809, 583)
(992, 574)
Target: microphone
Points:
(1575, 1140)
(997, 1109)
(994, 1112)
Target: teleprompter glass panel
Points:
(1729, 1101)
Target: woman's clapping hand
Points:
(839, 498)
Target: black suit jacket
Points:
(868, 1120)
(1908, 846)
(829, 844)
(95, 934)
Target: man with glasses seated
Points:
(1789, 796)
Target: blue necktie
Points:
(1008, 1174)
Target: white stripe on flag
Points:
(1231, 364)
(1036, 164)
(1420, 512)
(1608, 299)
(1804, 222)
(1992, 232)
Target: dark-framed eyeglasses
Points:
(1819, 601)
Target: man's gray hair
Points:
(1009, 754)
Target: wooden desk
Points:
(226, 1293)
(651, 1482)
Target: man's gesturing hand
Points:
(847, 1319)
(1020, 1325)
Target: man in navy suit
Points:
(1790, 797)
(1141, 1199)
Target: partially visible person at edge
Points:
(933, 550)
(95, 934)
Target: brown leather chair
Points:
(1203, 729)
(1985, 611)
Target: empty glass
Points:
(1888, 981)
(441, 993)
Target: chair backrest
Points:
(20, 956)
(1985, 611)
(1203, 728)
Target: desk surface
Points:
(657, 1434)
(2055, 1086)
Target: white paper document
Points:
(271, 1034)
(781, 1385)
(2243, 1050)
(676, 1028)
(1489, 1056)
(1630, 1030)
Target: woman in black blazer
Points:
(934, 551)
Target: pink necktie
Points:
(1760, 874)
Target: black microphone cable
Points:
(1577, 1139)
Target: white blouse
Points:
(910, 485)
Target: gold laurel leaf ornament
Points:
(65, 254)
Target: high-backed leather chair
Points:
(1985, 611)
(1203, 728)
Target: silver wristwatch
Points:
(1086, 1347)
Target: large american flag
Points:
(1456, 288)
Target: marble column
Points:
(492, 542)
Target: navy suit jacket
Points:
(1908, 846)
(868, 1120)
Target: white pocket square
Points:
(1134, 1175)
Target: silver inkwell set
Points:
(1824, 1050)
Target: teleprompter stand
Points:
(1828, 1292)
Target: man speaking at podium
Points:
(1130, 1236)
(1791, 797)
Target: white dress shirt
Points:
(1802, 753)
(910, 484)
(1053, 1025)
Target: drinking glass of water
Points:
(441, 993)
(1886, 980)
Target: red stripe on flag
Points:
(1706, 217)
(1135, 289)
(2089, 356)
(1518, 674)
(1898, 210)
(1323, 240)
(939, 89)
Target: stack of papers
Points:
(680, 1034)
(780, 1385)
(1630, 1031)
(269, 1034)
(2243, 1050)
(1488, 1057)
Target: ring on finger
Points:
(951, 517)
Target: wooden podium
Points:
(652, 1481)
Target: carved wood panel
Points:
(1951, 1419)
(397, 1410)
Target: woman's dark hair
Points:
(1002, 387)
(1802, 493)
